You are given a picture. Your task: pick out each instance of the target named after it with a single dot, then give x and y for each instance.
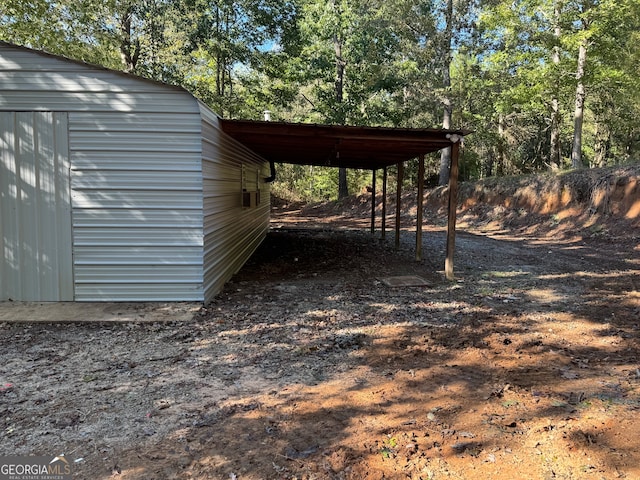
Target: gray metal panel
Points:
(138, 274)
(136, 183)
(141, 122)
(35, 221)
(143, 235)
(149, 161)
(170, 101)
(144, 255)
(158, 199)
(69, 78)
(150, 292)
(137, 207)
(35, 81)
(130, 180)
(135, 141)
(231, 233)
(176, 218)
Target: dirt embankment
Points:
(587, 203)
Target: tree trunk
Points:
(501, 160)
(487, 170)
(578, 116)
(602, 144)
(555, 155)
(218, 54)
(343, 186)
(445, 154)
(129, 50)
(339, 81)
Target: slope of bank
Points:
(588, 203)
(594, 202)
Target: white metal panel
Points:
(171, 101)
(36, 81)
(231, 233)
(144, 255)
(151, 292)
(130, 180)
(141, 122)
(35, 221)
(153, 199)
(137, 206)
(69, 76)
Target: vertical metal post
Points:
(373, 203)
(420, 208)
(384, 203)
(399, 202)
(453, 203)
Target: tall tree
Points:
(432, 32)
(445, 155)
(340, 64)
(555, 155)
(578, 116)
(346, 69)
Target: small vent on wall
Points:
(250, 187)
(250, 199)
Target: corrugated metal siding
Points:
(135, 175)
(137, 206)
(155, 184)
(35, 212)
(28, 78)
(95, 102)
(231, 233)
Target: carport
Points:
(366, 148)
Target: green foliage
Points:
(375, 63)
(315, 184)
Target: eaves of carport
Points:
(369, 148)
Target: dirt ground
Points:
(49, 312)
(308, 366)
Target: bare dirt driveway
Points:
(308, 366)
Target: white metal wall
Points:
(231, 233)
(135, 175)
(156, 186)
(136, 185)
(35, 212)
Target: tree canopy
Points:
(544, 84)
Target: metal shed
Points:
(118, 188)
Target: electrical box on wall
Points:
(250, 190)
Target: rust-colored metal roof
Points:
(335, 145)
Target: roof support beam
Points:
(399, 181)
(453, 203)
(420, 208)
(373, 202)
(384, 203)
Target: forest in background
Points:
(543, 84)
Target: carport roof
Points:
(335, 145)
